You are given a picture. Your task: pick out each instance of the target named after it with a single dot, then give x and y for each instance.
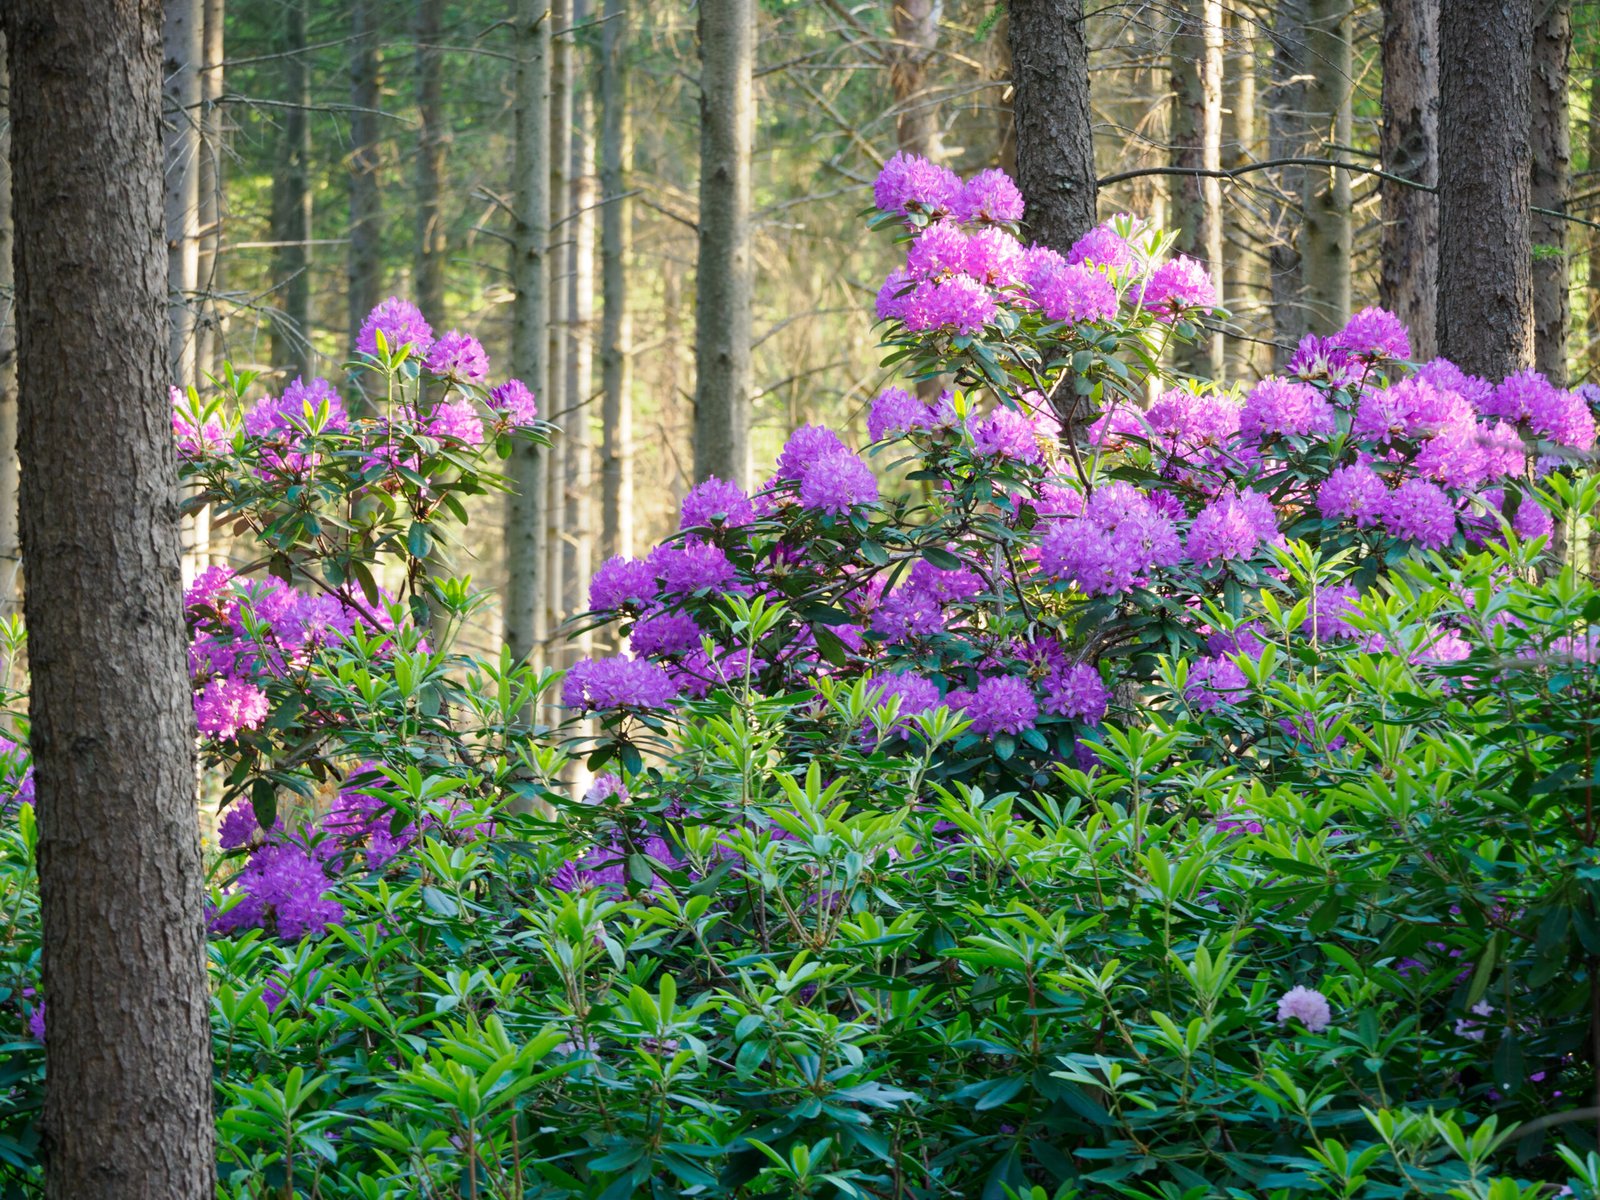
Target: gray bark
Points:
(558, 400)
(183, 55)
(915, 25)
(1550, 184)
(578, 532)
(366, 202)
(1288, 136)
(291, 202)
(1050, 103)
(723, 293)
(1197, 144)
(1408, 274)
(1329, 230)
(128, 1103)
(208, 331)
(1485, 304)
(10, 552)
(616, 327)
(524, 613)
(432, 138)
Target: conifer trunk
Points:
(1551, 145)
(128, 1101)
(1409, 263)
(208, 334)
(1055, 133)
(1329, 242)
(524, 609)
(1288, 136)
(291, 203)
(616, 329)
(723, 293)
(10, 551)
(366, 202)
(559, 409)
(431, 141)
(578, 542)
(1196, 202)
(183, 55)
(1485, 303)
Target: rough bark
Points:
(1409, 144)
(366, 202)
(1550, 184)
(182, 55)
(1592, 333)
(1197, 145)
(10, 553)
(1485, 306)
(915, 28)
(128, 1104)
(432, 138)
(616, 322)
(1288, 136)
(1242, 262)
(558, 401)
(578, 519)
(1050, 102)
(208, 331)
(291, 202)
(1329, 230)
(524, 610)
(723, 294)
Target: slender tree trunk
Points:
(291, 203)
(1241, 227)
(432, 138)
(183, 50)
(616, 328)
(723, 292)
(208, 335)
(1329, 232)
(1197, 145)
(578, 540)
(1288, 136)
(562, 78)
(1550, 184)
(366, 204)
(10, 551)
(1055, 135)
(524, 613)
(128, 1102)
(1408, 274)
(1485, 311)
(1592, 292)
(915, 25)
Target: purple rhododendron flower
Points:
(607, 787)
(692, 567)
(959, 304)
(804, 447)
(285, 890)
(1103, 246)
(1120, 537)
(622, 583)
(939, 251)
(459, 358)
(910, 184)
(665, 635)
(916, 695)
(1421, 512)
(401, 323)
(1178, 284)
(989, 196)
(838, 482)
(1074, 293)
(513, 399)
(1284, 407)
(227, 706)
(1306, 1005)
(897, 411)
(1374, 333)
(716, 502)
(1077, 691)
(618, 682)
(1234, 525)
(1214, 682)
(992, 256)
(1353, 493)
(238, 827)
(1006, 433)
(893, 295)
(1320, 358)
(456, 420)
(1002, 704)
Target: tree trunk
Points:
(1288, 136)
(366, 204)
(1329, 232)
(722, 339)
(10, 552)
(578, 543)
(1055, 132)
(558, 407)
(128, 1103)
(915, 25)
(1242, 260)
(616, 323)
(1485, 310)
(1409, 268)
(524, 613)
(183, 50)
(291, 203)
(1592, 292)
(1550, 185)
(431, 140)
(1197, 145)
(208, 333)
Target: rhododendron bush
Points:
(1099, 783)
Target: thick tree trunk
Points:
(291, 203)
(1409, 268)
(128, 1103)
(524, 613)
(578, 541)
(558, 407)
(1050, 100)
(208, 332)
(616, 322)
(10, 552)
(1329, 236)
(1485, 310)
(1550, 184)
(366, 203)
(432, 138)
(723, 366)
(1288, 136)
(1197, 145)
